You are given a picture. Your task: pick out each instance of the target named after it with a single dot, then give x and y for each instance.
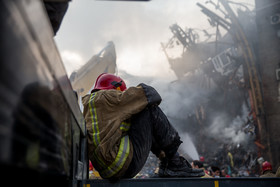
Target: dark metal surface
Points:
(42, 131)
(187, 182)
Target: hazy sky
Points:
(136, 28)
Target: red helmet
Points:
(201, 159)
(266, 166)
(107, 81)
(90, 165)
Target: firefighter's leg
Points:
(151, 131)
(165, 136)
(167, 139)
(140, 134)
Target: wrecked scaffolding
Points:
(225, 66)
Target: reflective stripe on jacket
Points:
(107, 114)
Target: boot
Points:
(178, 166)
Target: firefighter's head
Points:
(107, 81)
(266, 166)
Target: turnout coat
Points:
(107, 114)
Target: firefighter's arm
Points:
(152, 95)
(136, 96)
(133, 100)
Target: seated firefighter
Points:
(124, 125)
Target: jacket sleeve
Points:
(131, 101)
(123, 105)
(152, 95)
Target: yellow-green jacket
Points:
(107, 114)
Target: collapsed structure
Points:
(82, 80)
(227, 78)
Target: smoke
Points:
(228, 131)
(72, 61)
(181, 97)
(136, 28)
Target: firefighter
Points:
(267, 170)
(124, 125)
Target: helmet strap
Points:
(116, 84)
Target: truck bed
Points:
(185, 182)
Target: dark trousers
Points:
(150, 131)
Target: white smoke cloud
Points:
(136, 28)
(72, 61)
(230, 131)
(180, 97)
